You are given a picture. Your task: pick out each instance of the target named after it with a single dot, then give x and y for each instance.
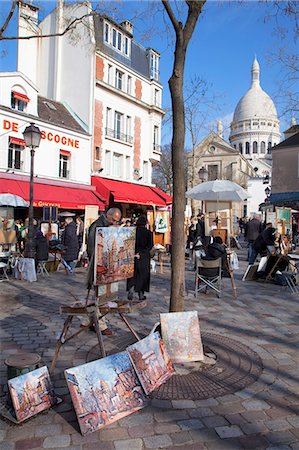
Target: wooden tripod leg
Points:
(129, 326)
(61, 340)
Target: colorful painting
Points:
(31, 393)
(104, 391)
(151, 362)
(181, 336)
(114, 254)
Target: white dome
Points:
(255, 104)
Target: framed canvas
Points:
(181, 336)
(104, 391)
(151, 362)
(114, 254)
(31, 393)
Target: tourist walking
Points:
(253, 229)
(140, 282)
(69, 238)
(264, 243)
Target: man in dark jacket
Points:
(41, 247)
(252, 230)
(70, 240)
(264, 243)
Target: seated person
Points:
(217, 250)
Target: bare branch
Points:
(9, 16)
(175, 23)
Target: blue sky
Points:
(226, 39)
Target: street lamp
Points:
(203, 174)
(32, 136)
(267, 191)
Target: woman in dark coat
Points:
(144, 243)
(69, 238)
(41, 247)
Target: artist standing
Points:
(111, 217)
(70, 240)
(144, 243)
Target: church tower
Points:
(255, 126)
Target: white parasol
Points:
(12, 200)
(218, 190)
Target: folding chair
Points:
(208, 275)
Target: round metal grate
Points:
(236, 367)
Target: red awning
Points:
(166, 197)
(50, 195)
(20, 96)
(125, 192)
(65, 153)
(17, 141)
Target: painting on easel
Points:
(31, 393)
(181, 336)
(104, 391)
(151, 362)
(114, 254)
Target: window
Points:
(213, 172)
(254, 147)
(269, 124)
(156, 138)
(116, 165)
(154, 66)
(17, 103)
(255, 123)
(126, 46)
(118, 119)
(157, 97)
(114, 37)
(97, 153)
(263, 123)
(110, 74)
(108, 118)
(14, 156)
(128, 126)
(247, 148)
(119, 41)
(129, 85)
(235, 146)
(106, 33)
(107, 162)
(64, 165)
(118, 79)
(241, 148)
(128, 167)
(263, 147)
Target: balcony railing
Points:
(157, 148)
(116, 134)
(15, 164)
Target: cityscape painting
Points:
(181, 336)
(104, 391)
(151, 362)
(31, 393)
(114, 254)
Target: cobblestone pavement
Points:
(263, 415)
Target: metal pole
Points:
(30, 248)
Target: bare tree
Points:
(162, 172)
(183, 34)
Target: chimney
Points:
(128, 26)
(27, 26)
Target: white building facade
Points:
(107, 79)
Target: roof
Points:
(57, 114)
(293, 129)
(138, 60)
(292, 141)
(255, 104)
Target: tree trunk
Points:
(176, 82)
(179, 202)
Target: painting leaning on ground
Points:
(31, 393)
(104, 391)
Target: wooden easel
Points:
(95, 310)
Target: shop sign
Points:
(46, 135)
